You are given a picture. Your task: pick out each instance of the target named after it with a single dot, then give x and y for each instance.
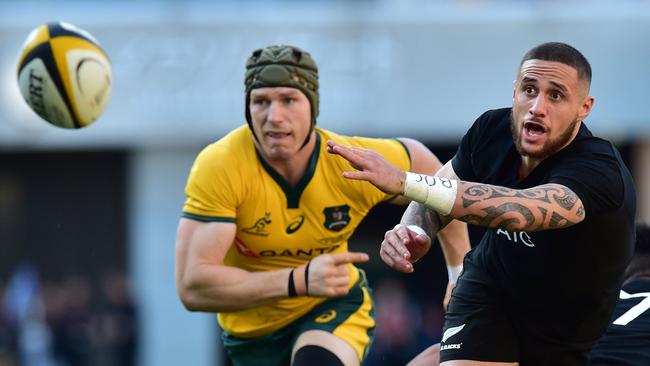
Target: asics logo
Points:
(326, 316)
(295, 225)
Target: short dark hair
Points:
(560, 52)
(640, 264)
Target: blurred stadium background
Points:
(88, 217)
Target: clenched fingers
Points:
(396, 262)
(399, 238)
(394, 252)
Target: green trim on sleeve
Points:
(387, 200)
(408, 153)
(202, 218)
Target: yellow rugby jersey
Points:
(280, 226)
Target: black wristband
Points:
(292, 286)
(307, 279)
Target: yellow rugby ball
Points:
(64, 75)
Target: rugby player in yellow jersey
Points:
(263, 236)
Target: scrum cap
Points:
(282, 65)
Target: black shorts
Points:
(482, 324)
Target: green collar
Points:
(293, 194)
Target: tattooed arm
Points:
(548, 206)
(419, 214)
(544, 207)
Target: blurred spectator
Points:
(398, 324)
(115, 323)
(91, 330)
(433, 318)
(70, 321)
(24, 312)
(7, 342)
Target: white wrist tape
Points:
(437, 193)
(416, 229)
(453, 272)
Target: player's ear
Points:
(585, 108)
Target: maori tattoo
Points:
(549, 206)
(422, 216)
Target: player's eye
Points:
(529, 90)
(556, 95)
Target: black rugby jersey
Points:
(627, 340)
(564, 280)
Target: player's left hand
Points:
(371, 167)
(402, 247)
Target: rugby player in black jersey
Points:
(559, 205)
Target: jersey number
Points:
(635, 310)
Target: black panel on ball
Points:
(44, 52)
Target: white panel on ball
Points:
(91, 80)
(42, 95)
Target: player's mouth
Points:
(534, 131)
(276, 136)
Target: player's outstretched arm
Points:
(204, 283)
(544, 207)
(453, 238)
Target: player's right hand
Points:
(370, 166)
(328, 273)
(402, 247)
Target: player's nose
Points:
(538, 106)
(275, 112)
